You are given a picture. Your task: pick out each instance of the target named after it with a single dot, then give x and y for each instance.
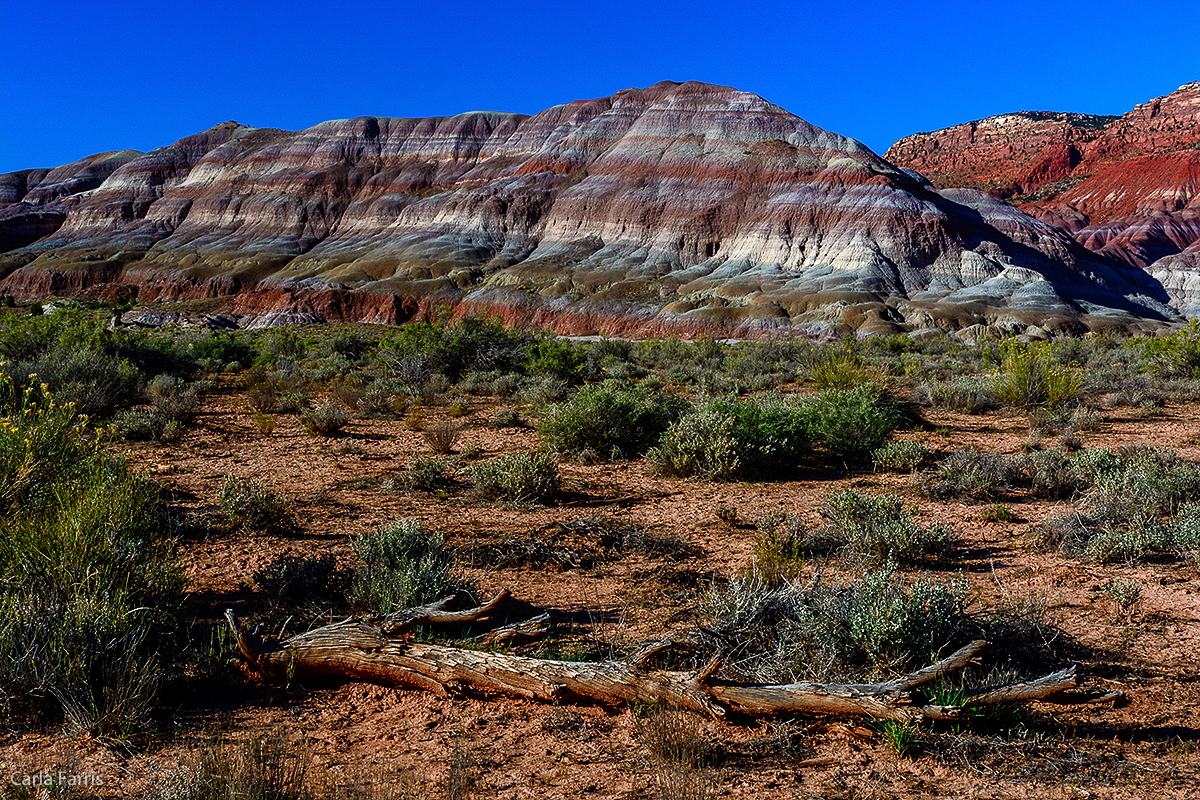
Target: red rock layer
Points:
(682, 205)
(1126, 187)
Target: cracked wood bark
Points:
(370, 649)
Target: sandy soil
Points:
(1144, 747)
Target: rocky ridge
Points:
(1126, 187)
(681, 207)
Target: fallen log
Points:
(375, 649)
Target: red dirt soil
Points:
(1146, 747)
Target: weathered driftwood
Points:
(374, 649)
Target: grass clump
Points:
(613, 421)
(904, 456)
(1029, 378)
(780, 547)
(442, 437)
(251, 506)
(858, 629)
(516, 477)
(402, 565)
(878, 528)
(301, 583)
(424, 474)
(326, 419)
(966, 394)
(972, 474)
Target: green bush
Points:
(74, 355)
(418, 350)
(701, 443)
(220, 351)
(401, 565)
(89, 592)
(848, 425)
(517, 477)
(557, 358)
(614, 421)
(879, 528)
(724, 439)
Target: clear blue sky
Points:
(87, 77)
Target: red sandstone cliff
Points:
(677, 207)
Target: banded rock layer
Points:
(681, 207)
(1127, 187)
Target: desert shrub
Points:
(970, 473)
(1125, 512)
(1050, 474)
(442, 437)
(614, 421)
(849, 424)
(401, 565)
(507, 417)
(544, 391)
(424, 474)
(878, 528)
(89, 593)
(376, 403)
(904, 456)
(557, 358)
(517, 477)
(780, 547)
(275, 392)
(250, 506)
(1126, 543)
(1137, 483)
(1184, 533)
(326, 419)
(837, 367)
(173, 407)
(859, 629)
(967, 394)
(220, 351)
(1028, 378)
(701, 443)
(301, 583)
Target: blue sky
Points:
(87, 77)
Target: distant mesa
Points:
(1125, 187)
(683, 208)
